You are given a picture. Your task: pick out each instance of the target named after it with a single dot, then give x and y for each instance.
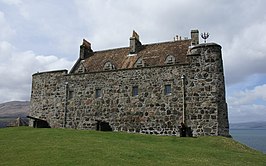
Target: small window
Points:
(139, 63)
(70, 94)
(98, 93)
(170, 59)
(108, 66)
(135, 91)
(167, 89)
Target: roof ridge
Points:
(165, 42)
(111, 49)
(149, 44)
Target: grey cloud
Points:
(6, 30)
(247, 113)
(16, 69)
(247, 54)
(248, 105)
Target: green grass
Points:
(30, 146)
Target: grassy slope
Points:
(29, 146)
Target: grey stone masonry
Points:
(82, 100)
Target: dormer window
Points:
(139, 63)
(108, 66)
(170, 59)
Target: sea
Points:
(254, 138)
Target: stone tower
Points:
(207, 87)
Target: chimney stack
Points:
(135, 44)
(85, 50)
(194, 37)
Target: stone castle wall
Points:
(69, 100)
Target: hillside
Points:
(32, 146)
(14, 109)
(248, 125)
(9, 111)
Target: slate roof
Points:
(152, 55)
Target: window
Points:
(70, 94)
(170, 59)
(98, 93)
(167, 89)
(135, 91)
(139, 63)
(108, 66)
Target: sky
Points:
(38, 36)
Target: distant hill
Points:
(10, 111)
(249, 125)
(14, 109)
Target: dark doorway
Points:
(103, 126)
(39, 123)
(185, 131)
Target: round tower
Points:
(206, 103)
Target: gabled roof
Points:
(152, 55)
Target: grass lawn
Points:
(31, 146)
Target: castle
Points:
(143, 88)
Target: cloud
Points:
(248, 105)
(12, 2)
(247, 113)
(16, 69)
(19, 5)
(249, 96)
(6, 30)
(159, 20)
(247, 54)
(47, 27)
